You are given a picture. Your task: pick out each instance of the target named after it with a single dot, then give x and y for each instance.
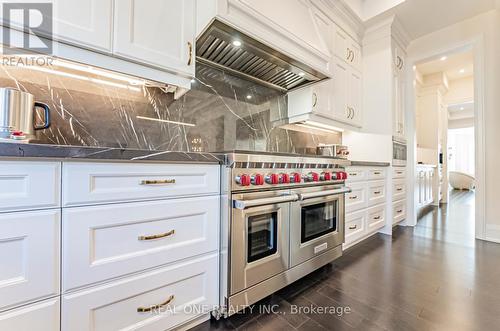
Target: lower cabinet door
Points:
(375, 218)
(157, 300)
(355, 226)
(104, 242)
(42, 316)
(29, 257)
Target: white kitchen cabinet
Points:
(424, 186)
(366, 205)
(86, 23)
(40, 316)
(127, 238)
(29, 185)
(399, 88)
(160, 33)
(346, 48)
(29, 256)
(347, 94)
(90, 183)
(160, 299)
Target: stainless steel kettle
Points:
(17, 114)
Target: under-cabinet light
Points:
(320, 127)
(164, 121)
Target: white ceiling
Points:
(451, 66)
(420, 17)
(461, 111)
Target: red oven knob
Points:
(296, 178)
(285, 178)
(341, 175)
(326, 176)
(243, 180)
(257, 179)
(312, 177)
(272, 179)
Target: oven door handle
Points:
(243, 204)
(305, 196)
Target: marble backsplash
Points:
(220, 113)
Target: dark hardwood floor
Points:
(435, 276)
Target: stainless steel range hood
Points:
(226, 48)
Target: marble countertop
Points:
(21, 150)
(370, 164)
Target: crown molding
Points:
(349, 20)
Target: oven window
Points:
(318, 219)
(262, 236)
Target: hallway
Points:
(431, 277)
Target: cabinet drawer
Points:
(398, 172)
(399, 212)
(355, 175)
(376, 192)
(355, 226)
(398, 189)
(357, 198)
(190, 288)
(29, 256)
(375, 174)
(103, 242)
(42, 316)
(96, 183)
(375, 218)
(29, 185)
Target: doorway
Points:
(445, 145)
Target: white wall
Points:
(487, 26)
(461, 150)
(460, 91)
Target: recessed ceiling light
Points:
(237, 43)
(193, 81)
(462, 71)
(249, 97)
(443, 58)
(414, 68)
(462, 108)
(301, 74)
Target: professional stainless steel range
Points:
(284, 219)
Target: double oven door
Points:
(259, 237)
(316, 222)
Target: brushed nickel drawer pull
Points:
(157, 182)
(400, 211)
(157, 236)
(377, 173)
(399, 189)
(353, 227)
(399, 172)
(377, 192)
(353, 197)
(376, 218)
(150, 308)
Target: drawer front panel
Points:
(355, 174)
(102, 242)
(398, 172)
(29, 185)
(375, 218)
(43, 316)
(376, 174)
(357, 199)
(187, 287)
(399, 213)
(29, 256)
(355, 226)
(376, 193)
(97, 183)
(398, 189)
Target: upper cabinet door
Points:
(341, 111)
(156, 32)
(355, 98)
(86, 23)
